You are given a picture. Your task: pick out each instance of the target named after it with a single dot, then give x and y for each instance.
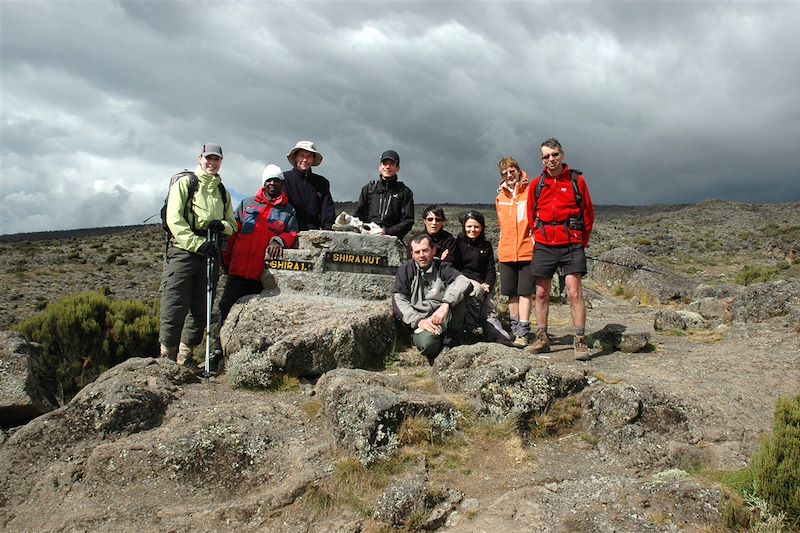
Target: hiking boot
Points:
(521, 341)
(540, 344)
(581, 348)
(185, 354)
(170, 352)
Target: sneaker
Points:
(581, 348)
(540, 344)
(503, 341)
(521, 341)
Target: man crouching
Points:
(428, 296)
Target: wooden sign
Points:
(356, 259)
(288, 264)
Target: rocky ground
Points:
(488, 439)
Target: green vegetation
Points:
(765, 496)
(760, 274)
(83, 335)
(776, 464)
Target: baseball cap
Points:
(391, 154)
(212, 149)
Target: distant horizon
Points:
(70, 232)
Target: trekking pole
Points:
(212, 238)
(632, 267)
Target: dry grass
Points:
(558, 419)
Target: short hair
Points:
(508, 162)
(419, 237)
(553, 143)
(436, 210)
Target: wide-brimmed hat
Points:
(308, 146)
(271, 172)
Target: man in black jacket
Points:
(309, 193)
(387, 202)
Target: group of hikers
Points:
(443, 290)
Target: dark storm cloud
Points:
(657, 102)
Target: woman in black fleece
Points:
(474, 258)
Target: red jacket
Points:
(555, 206)
(258, 221)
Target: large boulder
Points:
(131, 397)
(635, 272)
(305, 335)
(165, 452)
(365, 411)
(763, 301)
(501, 383)
(643, 427)
(601, 503)
(22, 395)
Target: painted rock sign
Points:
(335, 263)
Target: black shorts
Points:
(516, 279)
(547, 259)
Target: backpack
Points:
(194, 184)
(573, 223)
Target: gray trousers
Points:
(184, 292)
(430, 345)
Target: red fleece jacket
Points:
(557, 204)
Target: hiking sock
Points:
(524, 328)
(515, 326)
(580, 332)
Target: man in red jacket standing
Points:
(266, 224)
(560, 215)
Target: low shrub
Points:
(757, 274)
(85, 334)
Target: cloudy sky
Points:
(670, 102)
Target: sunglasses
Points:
(548, 156)
(433, 219)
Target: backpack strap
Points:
(573, 174)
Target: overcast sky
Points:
(672, 102)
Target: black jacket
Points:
(310, 195)
(389, 204)
(444, 240)
(475, 259)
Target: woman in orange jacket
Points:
(515, 249)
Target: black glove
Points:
(208, 249)
(216, 226)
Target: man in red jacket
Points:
(266, 224)
(560, 215)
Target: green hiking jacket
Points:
(206, 205)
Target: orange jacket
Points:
(516, 243)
